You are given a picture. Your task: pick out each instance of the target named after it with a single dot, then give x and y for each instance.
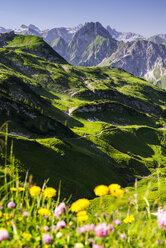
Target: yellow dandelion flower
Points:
(27, 235)
(129, 219)
(79, 205)
(49, 192)
(7, 216)
(115, 190)
(119, 193)
(82, 218)
(13, 189)
(20, 218)
(35, 190)
(21, 189)
(44, 211)
(101, 190)
(81, 213)
(0, 213)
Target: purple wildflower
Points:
(117, 222)
(86, 228)
(96, 246)
(25, 214)
(92, 227)
(102, 230)
(11, 205)
(47, 238)
(46, 228)
(61, 209)
(161, 219)
(61, 224)
(80, 230)
(4, 235)
(62, 206)
(123, 236)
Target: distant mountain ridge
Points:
(92, 44)
(49, 34)
(67, 33)
(124, 36)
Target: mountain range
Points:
(92, 44)
(67, 33)
(82, 126)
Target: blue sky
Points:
(146, 17)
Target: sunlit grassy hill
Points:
(84, 126)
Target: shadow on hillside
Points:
(77, 162)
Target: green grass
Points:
(120, 138)
(66, 161)
(149, 188)
(97, 155)
(22, 220)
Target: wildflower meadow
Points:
(36, 216)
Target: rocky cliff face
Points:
(90, 44)
(158, 39)
(142, 59)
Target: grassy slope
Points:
(117, 155)
(111, 150)
(34, 45)
(74, 162)
(139, 198)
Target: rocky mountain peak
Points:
(23, 26)
(87, 34)
(113, 32)
(90, 44)
(31, 26)
(93, 29)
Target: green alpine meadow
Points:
(82, 150)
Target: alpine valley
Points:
(83, 126)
